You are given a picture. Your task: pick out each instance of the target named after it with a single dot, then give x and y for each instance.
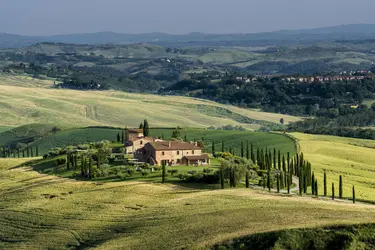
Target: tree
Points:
(313, 184)
(122, 137)
(247, 179)
(185, 138)
(340, 187)
(288, 185)
(269, 180)
(316, 188)
(222, 146)
(36, 151)
(118, 137)
(252, 153)
(333, 191)
(242, 150)
(28, 151)
(163, 169)
(141, 126)
(32, 152)
(325, 184)
(279, 160)
(176, 133)
(247, 150)
(353, 191)
(213, 147)
(222, 177)
(278, 183)
(282, 120)
(146, 129)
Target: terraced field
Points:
(44, 212)
(25, 105)
(354, 159)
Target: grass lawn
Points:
(40, 211)
(352, 158)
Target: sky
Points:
(51, 17)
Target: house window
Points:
(141, 142)
(192, 152)
(178, 152)
(162, 153)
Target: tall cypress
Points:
(32, 152)
(18, 153)
(300, 180)
(258, 157)
(247, 150)
(278, 183)
(279, 159)
(340, 188)
(252, 153)
(274, 158)
(316, 188)
(242, 149)
(247, 179)
(163, 168)
(222, 146)
(313, 184)
(222, 178)
(28, 152)
(353, 193)
(264, 178)
(288, 161)
(146, 128)
(288, 185)
(118, 137)
(325, 184)
(333, 191)
(23, 153)
(122, 137)
(269, 180)
(213, 147)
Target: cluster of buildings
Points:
(154, 151)
(322, 79)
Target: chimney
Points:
(169, 144)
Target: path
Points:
(292, 190)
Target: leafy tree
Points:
(146, 129)
(176, 133)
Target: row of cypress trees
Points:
(18, 153)
(84, 161)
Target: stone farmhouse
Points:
(154, 151)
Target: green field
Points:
(352, 158)
(70, 108)
(45, 212)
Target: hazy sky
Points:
(45, 17)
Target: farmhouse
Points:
(134, 140)
(172, 152)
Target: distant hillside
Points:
(343, 32)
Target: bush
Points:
(60, 162)
(224, 155)
(173, 171)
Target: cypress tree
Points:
(242, 150)
(252, 153)
(163, 168)
(247, 179)
(300, 180)
(247, 150)
(234, 177)
(340, 188)
(32, 152)
(333, 191)
(213, 147)
(274, 158)
(284, 167)
(146, 129)
(269, 180)
(278, 183)
(279, 160)
(118, 137)
(288, 186)
(18, 153)
(23, 153)
(264, 181)
(122, 137)
(258, 157)
(90, 167)
(222, 177)
(28, 152)
(325, 184)
(313, 184)
(282, 178)
(141, 126)
(353, 191)
(75, 159)
(222, 146)
(185, 138)
(316, 188)
(288, 161)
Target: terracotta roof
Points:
(133, 139)
(135, 130)
(197, 157)
(174, 145)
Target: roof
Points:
(135, 130)
(197, 157)
(133, 139)
(174, 145)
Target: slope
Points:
(44, 212)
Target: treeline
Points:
(275, 95)
(6, 152)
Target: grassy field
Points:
(352, 158)
(25, 105)
(45, 212)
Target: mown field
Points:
(45, 212)
(25, 105)
(354, 159)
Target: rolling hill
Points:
(70, 108)
(40, 211)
